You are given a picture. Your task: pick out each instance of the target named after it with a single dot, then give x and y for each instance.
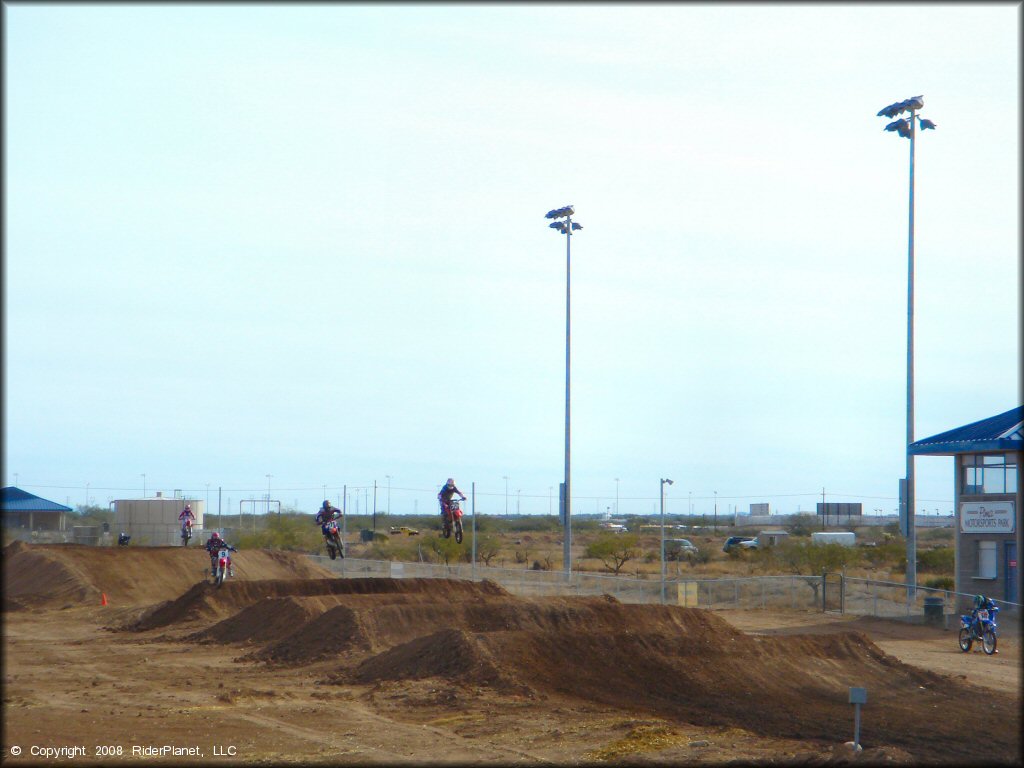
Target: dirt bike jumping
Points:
(451, 510)
(327, 518)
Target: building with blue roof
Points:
(987, 501)
(24, 510)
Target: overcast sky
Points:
(309, 242)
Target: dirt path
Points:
(926, 647)
(387, 672)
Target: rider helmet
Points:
(214, 535)
(326, 504)
(451, 481)
(188, 507)
(979, 600)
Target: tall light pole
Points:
(664, 482)
(616, 497)
(716, 511)
(388, 512)
(907, 128)
(566, 227)
(268, 494)
(505, 478)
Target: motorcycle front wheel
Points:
(219, 578)
(966, 640)
(988, 642)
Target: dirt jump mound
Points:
(66, 575)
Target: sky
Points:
(291, 250)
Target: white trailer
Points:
(846, 538)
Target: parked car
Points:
(679, 549)
(739, 542)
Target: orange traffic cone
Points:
(103, 600)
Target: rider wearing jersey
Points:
(186, 516)
(448, 490)
(325, 515)
(981, 603)
(215, 545)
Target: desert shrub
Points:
(291, 532)
(614, 550)
(941, 582)
(803, 557)
(702, 557)
(940, 560)
(803, 525)
(886, 553)
(487, 548)
(445, 550)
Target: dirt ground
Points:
(285, 664)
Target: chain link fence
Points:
(832, 592)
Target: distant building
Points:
(987, 501)
(23, 510)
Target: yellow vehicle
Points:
(399, 530)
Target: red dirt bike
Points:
(333, 540)
(452, 521)
(186, 532)
(223, 569)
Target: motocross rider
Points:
(448, 490)
(325, 515)
(185, 516)
(213, 546)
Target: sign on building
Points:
(759, 509)
(987, 517)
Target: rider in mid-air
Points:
(186, 516)
(448, 490)
(325, 515)
(215, 545)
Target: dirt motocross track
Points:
(286, 663)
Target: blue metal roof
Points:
(16, 500)
(1004, 432)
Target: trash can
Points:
(933, 611)
(366, 535)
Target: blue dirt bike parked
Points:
(981, 625)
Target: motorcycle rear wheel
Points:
(446, 529)
(988, 642)
(458, 531)
(966, 640)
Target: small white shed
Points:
(771, 538)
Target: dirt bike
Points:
(452, 520)
(223, 569)
(333, 540)
(186, 532)
(123, 539)
(982, 628)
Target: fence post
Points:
(824, 584)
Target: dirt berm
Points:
(477, 645)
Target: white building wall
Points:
(154, 521)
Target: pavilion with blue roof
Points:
(21, 509)
(987, 501)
